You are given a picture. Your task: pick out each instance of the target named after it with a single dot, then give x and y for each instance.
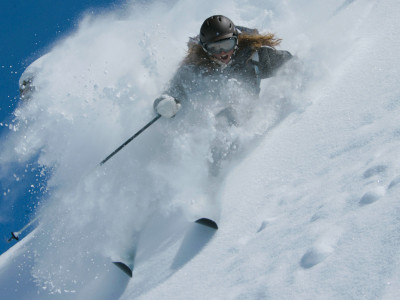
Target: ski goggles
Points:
(225, 45)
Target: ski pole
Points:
(15, 234)
(129, 140)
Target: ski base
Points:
(207, 222)
(124, 268)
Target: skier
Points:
(220, 53)
(227, 51)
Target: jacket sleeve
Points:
(184, 82)
(270, 60)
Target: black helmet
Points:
(216, 28)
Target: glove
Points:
(166, 106)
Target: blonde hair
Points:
(198, 57)
(256, 41)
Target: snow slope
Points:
(309, 209)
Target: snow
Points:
(307, 209)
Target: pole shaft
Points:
(15, 235)
(129, 140)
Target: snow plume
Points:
(94, 89)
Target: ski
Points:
(128, 268)
(124, 268)
(207, 222)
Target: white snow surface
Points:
(308, 208)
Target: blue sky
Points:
(28, 30)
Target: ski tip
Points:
(207, 222)
(124, 268)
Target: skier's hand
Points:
(167, 106)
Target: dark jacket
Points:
(256, 58)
